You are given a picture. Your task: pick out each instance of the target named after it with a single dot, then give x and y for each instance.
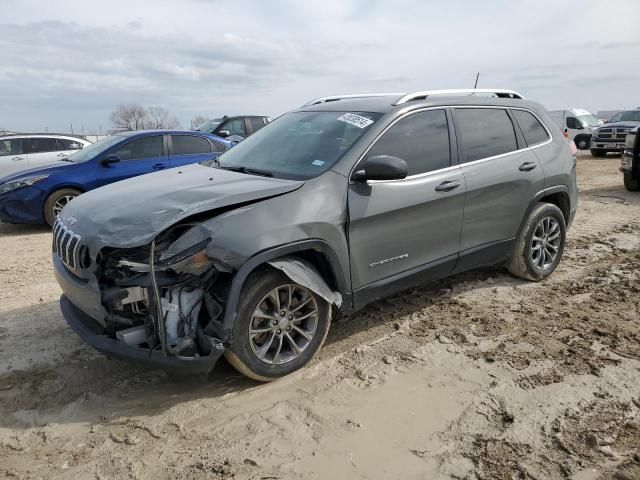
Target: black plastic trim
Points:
(485, 255)
(404, 280)
(543, 193)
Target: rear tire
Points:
(56, 201)
(630, 183)
(271, 353)
(540, 244)
(596, 152)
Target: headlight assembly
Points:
(188, 254)
(27, 182)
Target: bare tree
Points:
(158, 117)
(129, 117)
(137, 117)
(197, 121)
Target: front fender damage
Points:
(303, 273)
(172, 310)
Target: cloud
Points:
(65, 64)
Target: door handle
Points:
(17, 159)
(159, 166)
(447, 186)
(63, 155)
(527, 166)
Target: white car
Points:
(23, 151)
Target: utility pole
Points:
(71, 124)
(476, 84)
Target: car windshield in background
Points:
(299, 145)
(589, 120)
(209, 126)
(630, 116)
(90, 151)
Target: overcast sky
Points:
(72, 62)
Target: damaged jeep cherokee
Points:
(332, 206)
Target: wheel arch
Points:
(315, 253)
(561, 200)
(585, 136)
(57, 189)
(558, 196)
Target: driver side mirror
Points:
(381, 167)
(224, 133)
(109, 160)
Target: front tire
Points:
(56, 202)
(583, 143)
(630, 183)
(540, 245)
(279, 327)
(596, 152)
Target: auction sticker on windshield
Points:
(355, 120)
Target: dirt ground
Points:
(480, 376)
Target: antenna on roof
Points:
(475, 85)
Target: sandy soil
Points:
(481, 376)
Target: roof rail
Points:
(498, 92)
(334, 98)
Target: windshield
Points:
(90, 151)
(630, 116)
(589, 120)
(210, 125)
(300, 145)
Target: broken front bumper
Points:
(91, 332)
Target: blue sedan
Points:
(38, 195)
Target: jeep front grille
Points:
(69, 247)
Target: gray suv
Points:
(344, 201)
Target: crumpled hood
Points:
(132, 212)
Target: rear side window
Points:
(421, 139)
(189, 145)
(531, 127)
(234, 127)
(148, 147)
(40, 145)
(12, 146)
(256, 123)
(66, 144)
(485, 132)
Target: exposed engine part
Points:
(135, 294)
(117, 298)
(156, 294)
(215, 311)
(132, 336)
(135, 266)
(181, 307)
(160, 326)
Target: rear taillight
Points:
(573, 148)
